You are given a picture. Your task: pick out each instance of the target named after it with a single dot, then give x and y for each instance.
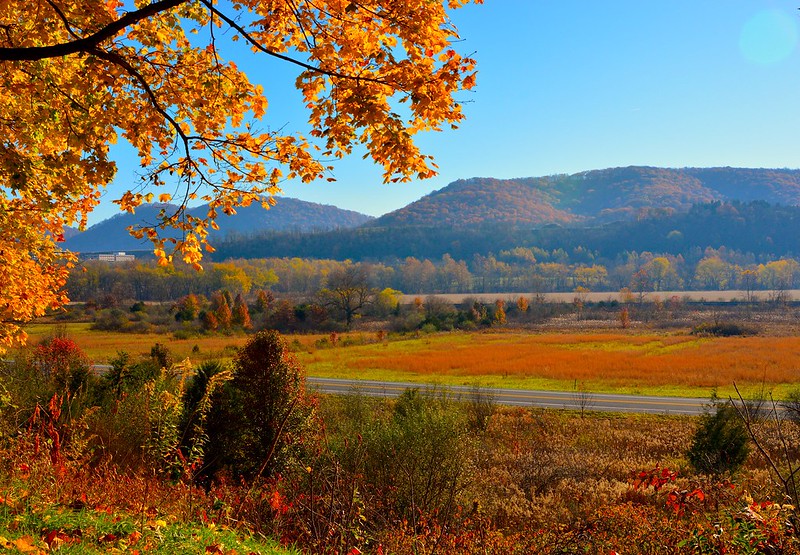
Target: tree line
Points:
(522, 269)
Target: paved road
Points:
(524, 398)
(515, 397)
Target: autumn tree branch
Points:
(85, 44)
(63, 17)
(257, 45)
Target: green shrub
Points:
(127, 376)
(112, 319)
(198, 397)
(138, 424)
(418, 461)
(721, 442)
(261, 420)
(722, 329)
(480, 405)
(183, 334)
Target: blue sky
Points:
(571, 85)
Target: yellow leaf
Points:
(25, 544)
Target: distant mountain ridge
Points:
(588, 198)
(597, 196)
(749, 232)
(288, 214)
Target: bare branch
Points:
(747, 419)
(116, 59)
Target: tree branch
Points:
(253, 42)
(116, 59)
(63, 17)
(15, 54)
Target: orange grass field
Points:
(643, 363)
(102, 346)
(646, 364)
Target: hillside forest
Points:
(713, 247)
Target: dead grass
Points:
(102, 346)
(642, 363)
(645, 363)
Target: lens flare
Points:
(769, 37)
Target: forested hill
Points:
(594, 196)
(755, 228)
(450, 215)
(287, 215)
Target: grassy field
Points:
(652, 364)
(102, 346)
(641, 363)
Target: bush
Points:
(201, 392)
(56, 366)
(261, 420)
(418, 461)
(139, 430)
(721, 442)
(63, 363)
(32, 379)
(110, 320)
(127, 376)
(722, 329)
(480, 406)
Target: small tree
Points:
(264, 301)
(62, 362)
(161, 356)
(222, 309)
(209, 321)
(241, 315)
(581, 296)
(188, 308)
(262, 418)
(386, 302)
(721, 442)
(347, 292)
(499, 313)
(624, 318)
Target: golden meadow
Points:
(627, 362)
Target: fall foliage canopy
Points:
(79, 74)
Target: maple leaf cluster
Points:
(75, 75)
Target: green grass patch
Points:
(29, 524)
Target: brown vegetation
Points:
(526, 481)
(614, 359)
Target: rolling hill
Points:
(598, 196)
(287, 215)
(439, 222)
